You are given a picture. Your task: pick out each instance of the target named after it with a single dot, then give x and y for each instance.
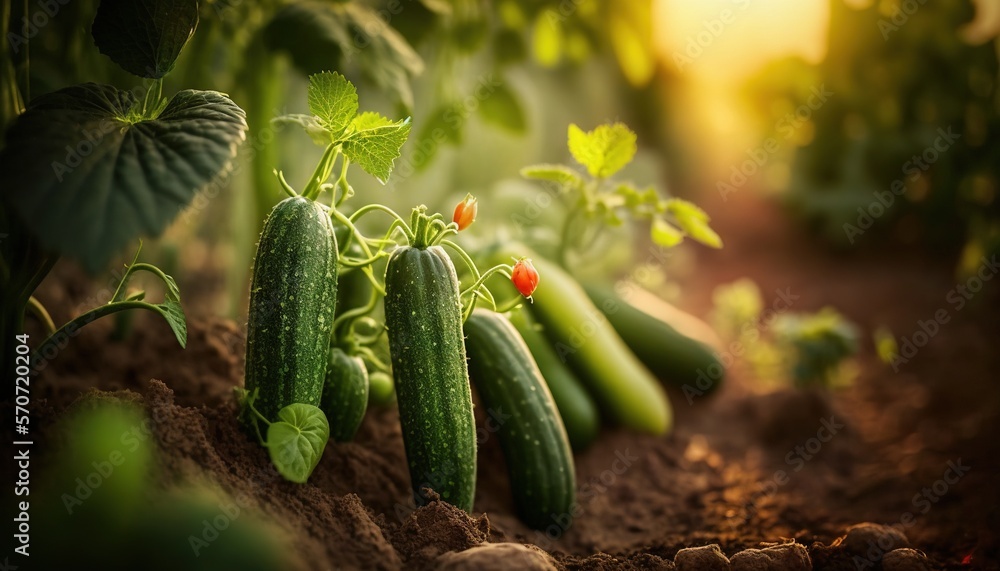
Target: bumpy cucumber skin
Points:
(576, 407)
(669, 354)
(345, 394)
(534, 442)
(423, 315)
(581, 335)
(292, 300)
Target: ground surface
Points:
(642, 499)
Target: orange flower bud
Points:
(465, 212)
(525, 277)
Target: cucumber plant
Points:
(91, 167)
(293, 295)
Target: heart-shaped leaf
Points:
(296, 441)
(375, 143)
(144, 37)
(87, 178)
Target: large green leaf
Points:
(322, 36)
(144, 37)
(87, 179)
(605, 150)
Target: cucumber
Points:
(582, 337)
(292, 300)
(423, 315)
(381, 392)
(675, 358)
(576, 407)
(534, 442)
(345, 394)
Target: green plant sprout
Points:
(595, 200)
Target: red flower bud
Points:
(465, 212)
(525, 277)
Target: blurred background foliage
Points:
(492, 85)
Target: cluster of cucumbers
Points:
(546, 369)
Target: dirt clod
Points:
(872, 540)
(706, 558)
(905, 560)
(787, 557)
(437, 528)
(497, 557)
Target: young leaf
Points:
(144, 37)
(665, 234)
(374, 143)
(333, 99)
(502, 109)
(561, 174)
(605, 150)
(694, 221)
(296, 441)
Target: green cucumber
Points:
(292, 300)
(534, 442)
(672, 356)
(576, 407)
(345, 394)
(381, 391)
(582, 337)
(423, 315)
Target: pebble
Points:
(787, 557)
(873, 540)
(706, 558)
(497, 557)
(905, 560)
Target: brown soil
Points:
(714, 480)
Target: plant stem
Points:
(38, 310)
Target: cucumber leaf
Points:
(144, 37)
(88, 179)
(333, 99)
(694, 221)
(374, 143)
(296, 441)
(665, 234)
(605, 150)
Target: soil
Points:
(729, 474)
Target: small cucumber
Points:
(534, 442)
(381, 392)
(292, 300)
(576, 407)
(345, 394)
(423, 315)
(675, 358)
